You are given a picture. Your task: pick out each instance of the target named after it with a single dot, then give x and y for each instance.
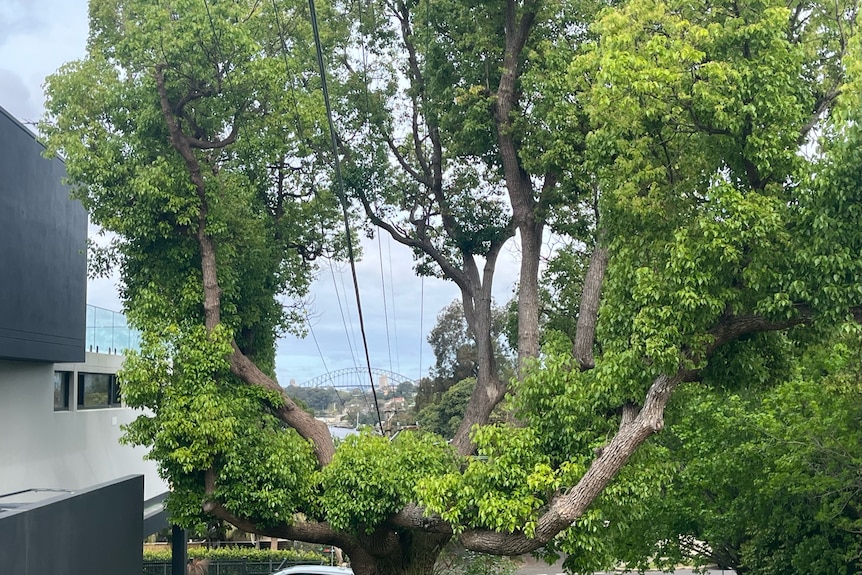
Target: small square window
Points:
(98, 390)
(62, 390)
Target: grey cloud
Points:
(16, 97)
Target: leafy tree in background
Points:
(765, 479)
(666, 136)
(319, 399)
(455, 144)
(456, 353)
(444, 415)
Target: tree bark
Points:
(566, 507)
(588, 314)
(528, 292)
(518, 183)
(489, 390)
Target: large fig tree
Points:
(704, 154)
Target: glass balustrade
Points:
(108, 332)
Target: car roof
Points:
(314, 570)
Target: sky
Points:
(38, 36)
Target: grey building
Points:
(71, 496)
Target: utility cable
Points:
(421, 317)
(394, 311)
(379, 244)
(385, 305)
(298, 119)
(323, 359)
(343, 198)
(344, 319)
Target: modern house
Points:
(60, 411)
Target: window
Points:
(98, 390)
(62, 389)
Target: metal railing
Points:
(108, 332)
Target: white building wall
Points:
(43, 448)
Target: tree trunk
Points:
(585, 336)
(518, 182)
(241, 366)
(490, 389)
(528, 293)
(414, 553)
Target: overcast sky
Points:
(38, 36)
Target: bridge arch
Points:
(351, 377)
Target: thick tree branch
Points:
(732, 327)
(300, 530)
(240, 365)
(418, 82)
(456, 275)
(413, 516)
(823, 104)
(201, 144)
(518, 183)
(635, 428)
(179, 141)
(585, 336)
(490, 389)
(405, 165)
(566, 507)
(288, 412)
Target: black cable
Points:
(421, 318)
(342, 197)
(385, 304)
(299, 125)
(394, 311)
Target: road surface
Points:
(533, 567)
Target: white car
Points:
(314, 570)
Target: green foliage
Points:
(318, 399)
(225, 72)
(705, 196)
(444, 417)
(239, 553)
(501, 489)
(562, 283)
(767, 480)
(681, 123)
(201, 419)
(568, 409)
(371, 477)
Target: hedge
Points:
(239, 553)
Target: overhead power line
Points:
(343, 198)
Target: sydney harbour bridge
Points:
(357, 377)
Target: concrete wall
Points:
(97, 531)
(41, 448)
(44, 260)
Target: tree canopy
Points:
(763, 477)
(703, 157)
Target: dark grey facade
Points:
(95, 531)
(43, 262)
